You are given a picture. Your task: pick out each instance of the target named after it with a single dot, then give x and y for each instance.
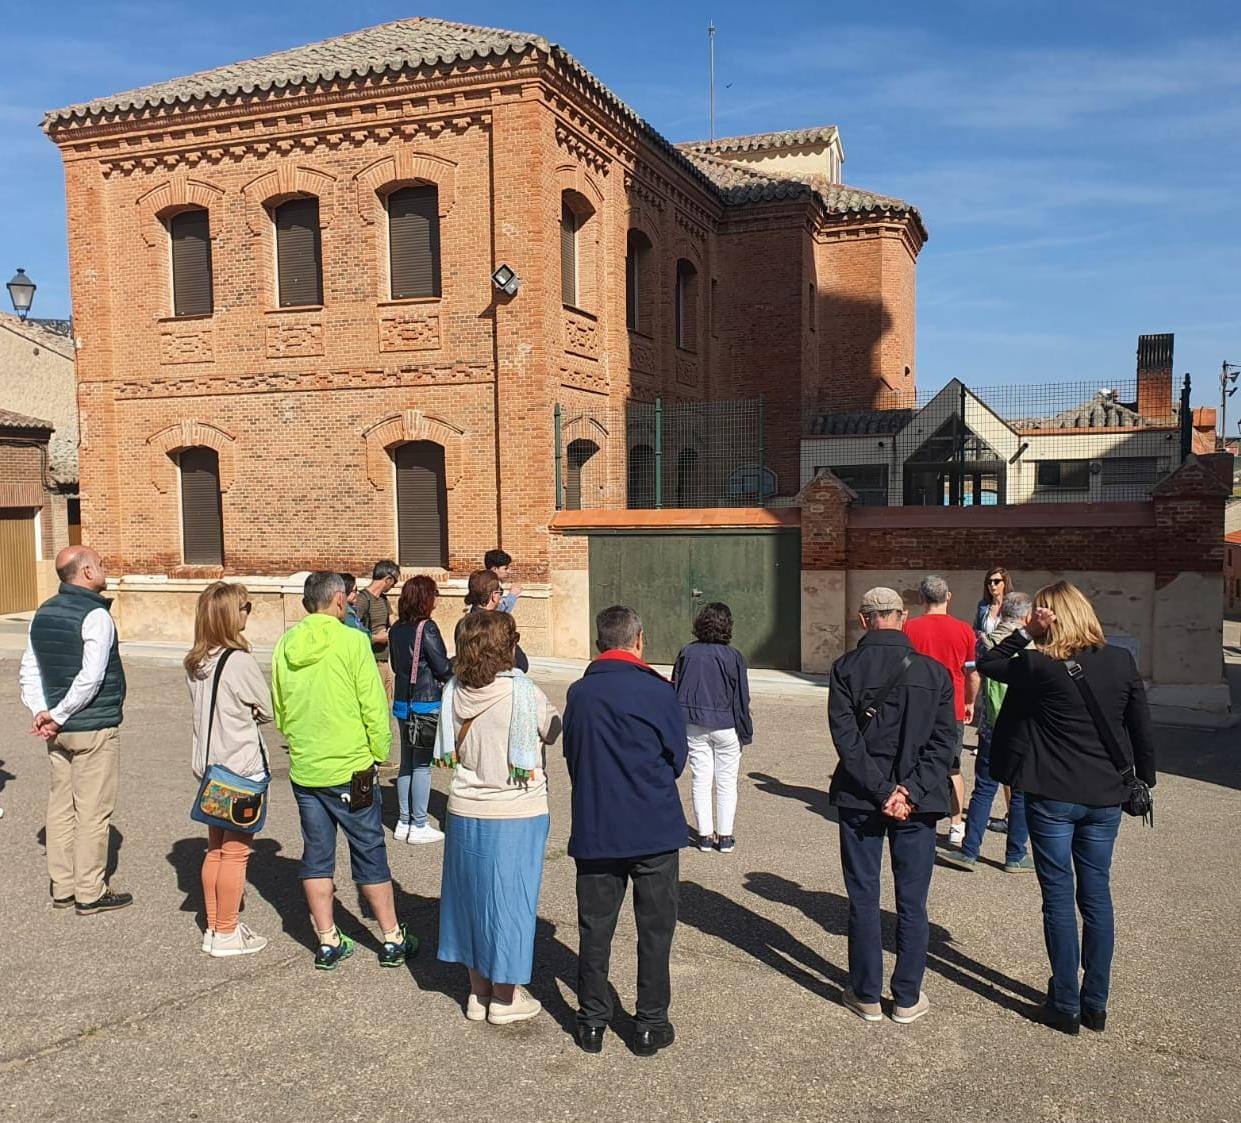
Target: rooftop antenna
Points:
(711, 72)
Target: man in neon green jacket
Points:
(330, 704)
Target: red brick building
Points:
(292, 353)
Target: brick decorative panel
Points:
(185, 343)
(584, 378)
(410, 331)
(581, 335)
(642, 359)
(687, 370)
(298, 339)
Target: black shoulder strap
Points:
(215, 693)
(1078, 674)
(868, 715)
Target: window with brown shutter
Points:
(190, 233)
(568, 254)
(637, 281)
(299, 253)
(687, 306)
(414, 242)
(421, 505)
(202, 519)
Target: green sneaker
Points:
(954, 857)
(327, 957)
(394, 954)
(1022, 865)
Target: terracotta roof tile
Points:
(758, 142)
(11, 420)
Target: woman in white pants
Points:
(714, 691)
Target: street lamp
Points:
(1227, 376)
(21, 293)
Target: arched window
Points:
(687, 479)
(299, 252)
(577, 454)
(637, 282)
(190, 234)
(421, 505)
(202, 516)
(414, 242)
(641, 477)
(687, 306)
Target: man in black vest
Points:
(891, 715)
(73, 683)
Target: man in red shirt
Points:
(951, 642)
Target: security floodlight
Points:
(506, 280)
(21, 293)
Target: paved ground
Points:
(120, 1017)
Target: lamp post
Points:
(1227, 375)
(21, 293)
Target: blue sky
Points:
(1078, 164)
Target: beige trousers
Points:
(85, 771)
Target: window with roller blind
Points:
(421, 505)
(190, 235)
(687, 306)
(414, 242)
(299, 252)
(569, 226)
(202, 517)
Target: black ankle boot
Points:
(1094, 1019)
(1059, 1020)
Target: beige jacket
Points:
(480, 785)
(244, 701)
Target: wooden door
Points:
(18, 571)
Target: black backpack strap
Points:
(866, 716)
(215, 693)
(1122, 764)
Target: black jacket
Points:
(911, 740)
(713, 688)
(1045, 743)
(434, 669)
(521, 662)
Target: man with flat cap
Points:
(892, 721)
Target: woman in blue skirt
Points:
(494, 724)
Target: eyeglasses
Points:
(246, 607)
(995, 580)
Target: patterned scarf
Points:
(523, 731)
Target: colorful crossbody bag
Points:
(225, 799)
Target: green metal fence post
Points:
(559, 493)
(762, 450)
(659, 453)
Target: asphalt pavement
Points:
(119, 1017)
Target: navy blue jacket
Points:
(911, 740)
(713, 688)
(624, 743)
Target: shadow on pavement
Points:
(1211, 757)
(815, 799)
(115, 841)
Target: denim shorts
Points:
(322, 810)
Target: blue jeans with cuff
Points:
(911, 844)
(322, 810)
(1073, 847)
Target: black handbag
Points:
(1140, 803)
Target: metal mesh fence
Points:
(655, 454)
(1048, 443)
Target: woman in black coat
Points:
(1046, 745)
(418, 680)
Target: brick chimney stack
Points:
(1155, 376)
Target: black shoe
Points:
(1059, 1020)
(726, 844)
(590, 1039)
(649, 1040)
(106, 903)
(1094, 1019)
(63, 902)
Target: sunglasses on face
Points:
(995, 581)
(246, 607)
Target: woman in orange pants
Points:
(242, 702)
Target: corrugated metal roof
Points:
(758, 142)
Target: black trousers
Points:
(601, 885)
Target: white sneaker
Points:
(956, 834)
(207, 934)
(522, 1008)
(240, 941)
(476, 1008)
(401, 832)
(428, 833)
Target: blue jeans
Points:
(321, 811)
(1070, 838)
(911, 845)
(981, 799)
(413, 781)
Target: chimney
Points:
(1155, 376)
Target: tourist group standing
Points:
(1063, 725)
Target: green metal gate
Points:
(667, 576)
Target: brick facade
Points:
(305, 406)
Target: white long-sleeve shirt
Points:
(98, 635)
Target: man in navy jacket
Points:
(625, 745)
